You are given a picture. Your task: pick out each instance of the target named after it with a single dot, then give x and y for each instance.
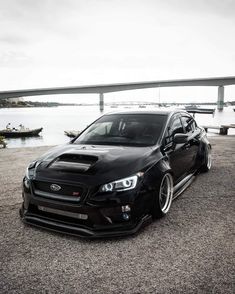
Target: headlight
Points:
(122, 185)
(29, 173)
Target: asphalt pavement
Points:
(191, 250)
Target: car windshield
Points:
(124, 129)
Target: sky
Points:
(56, 43)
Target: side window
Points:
(188, 123)
(174, 128)
(193, 124)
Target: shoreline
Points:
(209, 135)
(56, 120)
(32, 104)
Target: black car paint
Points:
(113, 162)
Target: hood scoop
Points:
(72, 162)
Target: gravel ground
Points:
(188, 251)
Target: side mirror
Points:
(180, 138)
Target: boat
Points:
(196, 109)
(20, 133)
(71, 134)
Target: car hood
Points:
(94, 164)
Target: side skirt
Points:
(183, 185)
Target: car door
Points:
(176, 153)
(190, 128)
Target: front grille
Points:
(65, 218)
(58, 191)
(64, 212)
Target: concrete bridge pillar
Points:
(220, 101)
(101, 102)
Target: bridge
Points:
(219, 82)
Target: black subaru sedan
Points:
(120, 173)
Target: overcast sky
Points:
(46, 43)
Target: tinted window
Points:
(124, 129)
(188, 123)
(174, 128)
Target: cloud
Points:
(67, 42)
(13, 59)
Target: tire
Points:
(164, 196)
(206, 166)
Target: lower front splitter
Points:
(83, 231)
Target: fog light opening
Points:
(125, 216)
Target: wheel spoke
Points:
(209, 159)
(165, 193)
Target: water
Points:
(55, 120)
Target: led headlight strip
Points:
(124, 184)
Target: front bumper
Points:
(85, 218)
(82, 230)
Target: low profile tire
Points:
(206, 166)
(164, 196)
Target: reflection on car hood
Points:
(94, 164)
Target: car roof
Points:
(157, 112)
